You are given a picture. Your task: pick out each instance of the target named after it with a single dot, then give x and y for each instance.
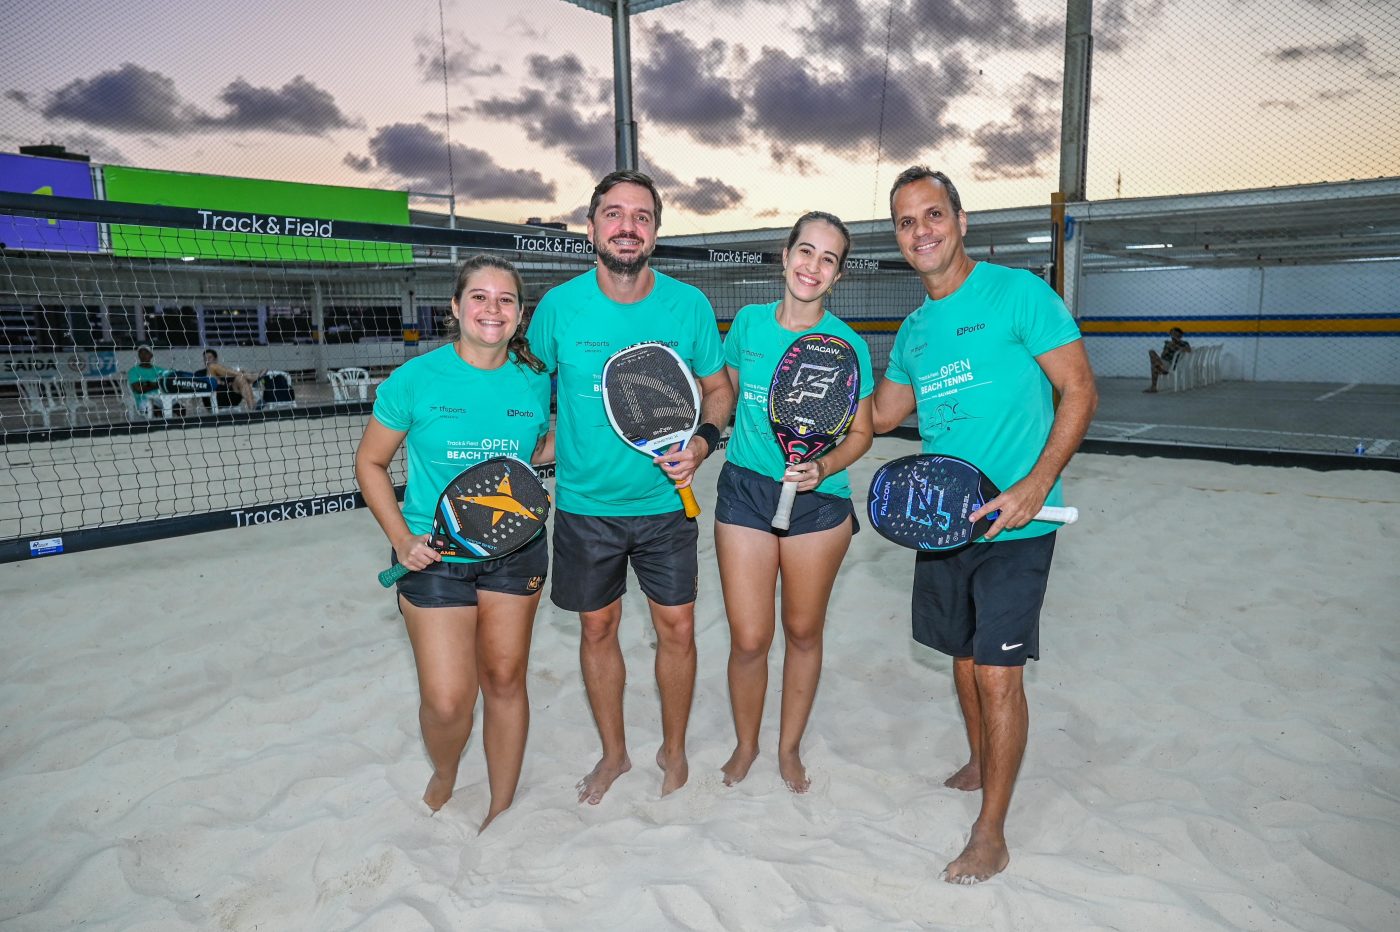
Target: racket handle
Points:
(783, 516)
(1062, 515)
(692, 507)
(392, 575)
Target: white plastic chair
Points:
(43, 397)
(357, 378)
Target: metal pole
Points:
(1074, 124)
(622, 86)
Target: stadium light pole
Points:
(1074, 137)
(620, 11)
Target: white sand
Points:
(219, 732)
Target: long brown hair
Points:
(518, 344)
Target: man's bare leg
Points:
(748, 572)
(1005, 720)
(969, 776)
(604, 677)
(675, 680)
(1159, 368)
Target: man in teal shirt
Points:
(612, 505)
(144, 378)
(978, 361)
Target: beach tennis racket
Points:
(922, 502)
(489, 510)
(812, 401)
(652, 402)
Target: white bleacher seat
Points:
(349, 384)
(43, 397)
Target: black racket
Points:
(812, 401)
(487, 511)
(652, 402)
(922, 502)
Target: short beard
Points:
(621, 267)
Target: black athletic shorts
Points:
(749, 498)
(591, 554)
(454, 585)
(984, 600)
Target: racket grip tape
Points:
(783, 516)
(393, 574)
(1062, 515)
(692, 507)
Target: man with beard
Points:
(613, 506)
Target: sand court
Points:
(220, 732)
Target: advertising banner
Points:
(252, 220)
(28, 174)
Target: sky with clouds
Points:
(748, 111)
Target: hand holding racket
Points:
(652, 402)
(924, 502)
(487, 511)
(812, 402)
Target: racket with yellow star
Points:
(489, 510)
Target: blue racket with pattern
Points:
(487, 511)
(923, 502)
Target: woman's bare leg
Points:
(748, 572)
(444, 650)
(504, 627)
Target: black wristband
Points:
(710, 434)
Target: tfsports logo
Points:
(974, 327)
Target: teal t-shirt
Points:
(970, 358)
(753, 348)
(139, 373)
(455, 416)
(575, 329)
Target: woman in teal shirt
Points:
(752, 554)
(469, 620)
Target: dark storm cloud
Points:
(680, 84)
(464, 58)
(705, 196)
(137, 100)
(842, 27)
(989, 23)
(563, 114)
(795, 103)
(417, 154)
(1026, 145)
(1342, 50)
(296, 107)
(130, 98)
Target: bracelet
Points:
(710, 434)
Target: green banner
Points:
(252, 220)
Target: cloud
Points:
(133, 99)
(130, 99)
(987, 23)
(1118, 22)
(1276, 104)
(1341, 50)
(679, 84)
(296, 107)
(706, 196)
(360, 163)
(843, 27)
(1339, 94)
(562, 112)
(464, 58)
(19, 97)
(417, 154)
(1020, 146)
(791, 159)
(841, 111)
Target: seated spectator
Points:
(1162, 362)
(232, 385)
(144, 377)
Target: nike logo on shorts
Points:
(1006, 646)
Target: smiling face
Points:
(623, 228)
(813, 263)
(488, 309)
(929, 232)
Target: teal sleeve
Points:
(867, 375)
(1044, 323)
(392, 406)
(895, 371)
(709, 355)
(731, 341)
(541, 334)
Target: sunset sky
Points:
(749, 111)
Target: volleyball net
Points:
(309, 314)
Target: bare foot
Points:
(592, 787)
(439, 791)
(675, 771)
(490, 817)
(969, 778)
(983, 857)
(793, 773)
(737, 767)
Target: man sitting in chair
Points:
(144, 378)
(233, 384)
(1162, 362)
